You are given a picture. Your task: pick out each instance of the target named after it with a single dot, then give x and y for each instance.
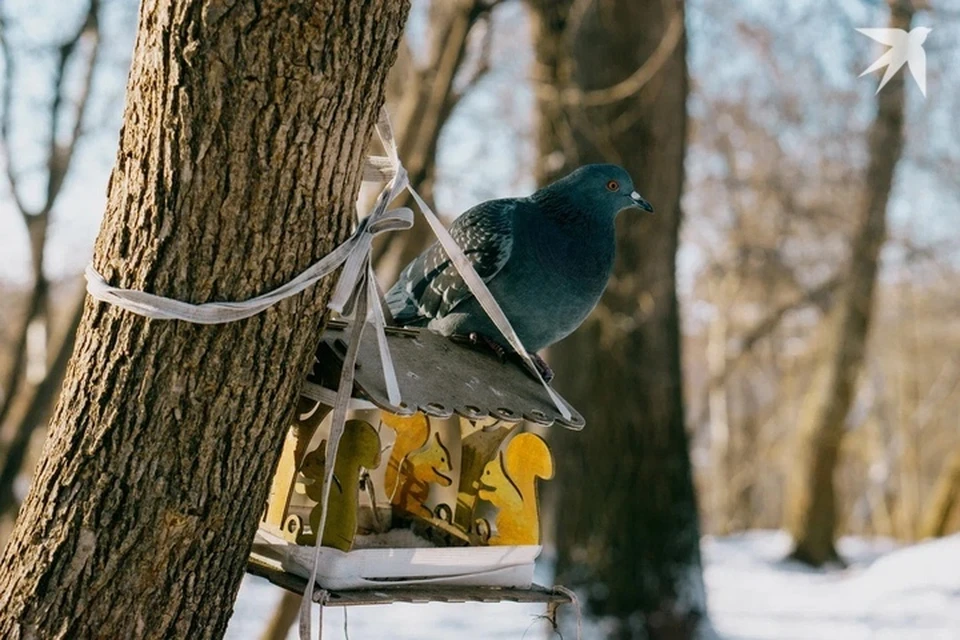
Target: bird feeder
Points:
(441, 489)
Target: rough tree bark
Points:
(612, 87)
(811, 505)
(239, 162)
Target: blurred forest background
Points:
(817, 268)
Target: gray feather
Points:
(430, 286)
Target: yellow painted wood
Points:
(283, 481)
(481, 441)
(509, 483)
(359, 449)
(430, 464)
(412, 434)
(443, 496)
(308, 416)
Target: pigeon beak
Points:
(640, 202)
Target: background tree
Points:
(812, 516)
(946, 496)
(82, 44)
(70, 70)
(611, 86)
(236, 135)
(775, 178)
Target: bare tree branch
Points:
(5, 118)
(425, 104)
(483, 63)
(817, 296)
(632, 85)
(59, 157)
(34, 410)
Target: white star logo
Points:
(905, 48)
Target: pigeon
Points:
(546, 259)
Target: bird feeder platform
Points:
(432, 500)
(269, 569)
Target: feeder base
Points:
(417, 594)
(496, 566)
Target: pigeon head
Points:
(598, 188)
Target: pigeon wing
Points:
(430, 286)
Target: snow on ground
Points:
(887, 593)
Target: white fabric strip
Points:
(337, 423)
(162, 308)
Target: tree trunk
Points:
(283, 617)
(812, 509)
(946, 496)
(627, 516)
(239, 162)
(34, 410)
(721, 470)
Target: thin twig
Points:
(5, 118)
(483, 66)
(57, 164)
(59, 157)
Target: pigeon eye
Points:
(613, 185)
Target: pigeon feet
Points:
(498, 349)
(490, 343)
(542, 367)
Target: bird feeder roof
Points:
(439, 376)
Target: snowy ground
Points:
(912, 593)
(886, 594)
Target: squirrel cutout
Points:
(509, 483)
(413, 432)
(481, 440)
(359, 449)
(430, 464)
